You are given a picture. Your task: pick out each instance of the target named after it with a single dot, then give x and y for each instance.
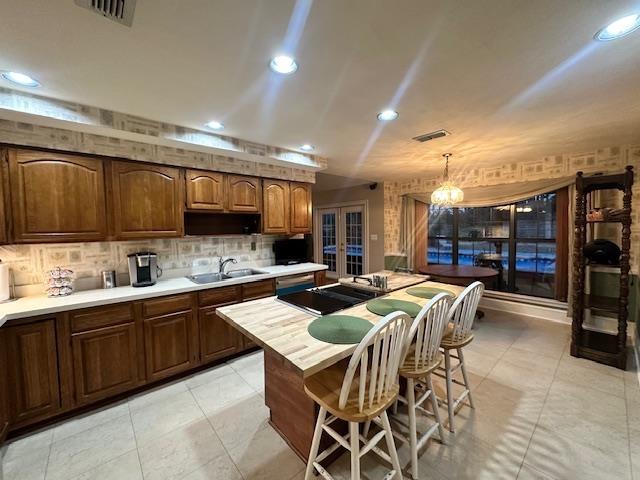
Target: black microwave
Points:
(292, 251)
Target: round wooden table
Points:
(460, 275)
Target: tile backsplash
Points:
(177, 257)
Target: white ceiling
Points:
(510, 79)
(326, 181)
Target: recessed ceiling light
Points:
(283, 64)
(387, 115)
(213, 125)
(307, 148)
(20, 79)
(619, 28)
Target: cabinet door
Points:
(168, 343)
(300, 208)
(244, 194)
(56, 198)
(104, 362)
(32, 371)
(4, 402)
(275, 209)
(147, 201)
(218, 339)
(205, 190)
(4, 196)
(254, 291)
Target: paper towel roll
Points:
(5, 292)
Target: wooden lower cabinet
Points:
(169, 345)
(104, 362)
(218, 339)
(55, 365)
(320, 278)
(4, 402)
(254, 291)
(32, 371)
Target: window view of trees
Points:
(519, 240)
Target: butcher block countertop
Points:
(395, 281)
(282, 328)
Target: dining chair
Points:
(457, 335)
(422, 358)
(362, 392)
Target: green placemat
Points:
(339, 329)
(385, 306)
(426, 292)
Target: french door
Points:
(340, 243)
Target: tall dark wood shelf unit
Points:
(610, 349)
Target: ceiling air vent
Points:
(120, 11)
(431, 136)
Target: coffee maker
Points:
(143, 269)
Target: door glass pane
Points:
(535, 268)
(353, 244)
(329, 252)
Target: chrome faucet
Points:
(223, 263)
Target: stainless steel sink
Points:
(203, 278)
(242, 272)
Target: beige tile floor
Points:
(540, 414)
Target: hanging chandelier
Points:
(448, 193)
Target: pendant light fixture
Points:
(448, 193)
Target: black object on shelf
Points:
(602, 252)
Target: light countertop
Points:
(282, 328)
(34, 305)
(395, 281)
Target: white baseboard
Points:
(558, 315)
(551, 314)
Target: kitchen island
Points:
(291, 355)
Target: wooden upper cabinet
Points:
(147, 200)
(244, 194)
(301, 220)
(32, 371)
(275, 207)
(205, 190)
(56, 198)
(4, 196)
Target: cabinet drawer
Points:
(254, 290)
(220, 296)
(164, 305)
(99, 317)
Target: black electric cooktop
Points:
(323, 301)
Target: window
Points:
(440, 249)
(519, 240)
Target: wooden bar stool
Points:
(457, 335)
(423, 357)
(362, 392)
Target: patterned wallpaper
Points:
(268, 159)
(178, 257)
(606, 160)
